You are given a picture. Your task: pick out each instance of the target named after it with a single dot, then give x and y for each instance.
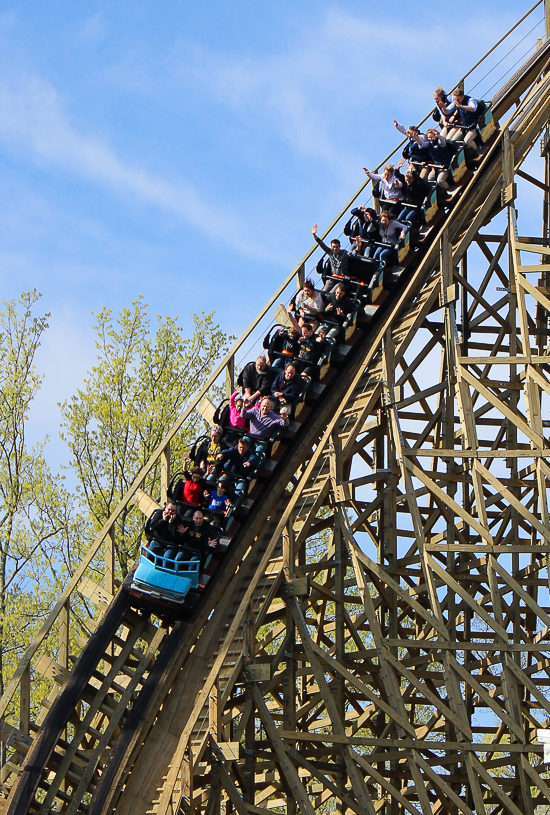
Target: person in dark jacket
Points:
(285, 342)
(337, 310)
(413, 149)
(165, 530)
(338, 305)
(202, 537)
(366, 227)
(240, 462)
(415, 191)
(288, 387)
(256, 380)
(337, 256)
(440, 153)
(312, 347)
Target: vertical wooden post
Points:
(110, 561)
(290, 701)
(64, 622)
(187, 781)
(213, 711)
(300, 276)
(230, 377)
(249, 773)
(464, 317)
(339, 555)
(164, 473)
(25, 702)
(447, 433)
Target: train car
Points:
(171, 589)
(165, 586)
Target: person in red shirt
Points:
(193, 486)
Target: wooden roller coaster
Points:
(377, 636)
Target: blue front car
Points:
(163, 583)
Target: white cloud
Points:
(32, 120)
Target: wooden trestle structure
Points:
(378, 639)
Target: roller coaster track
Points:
(378, 635)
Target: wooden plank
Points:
(435, 623)
(363, 802)
(521, 246)
(461, 645)
(512, 500)
(481, 548)
(145, 503)
(334, 665)
(431, 697)
(536, 293)
(440, 452)
(504, 360)
(288, 771)
(487, 698)
(515, 418)
(385, 784)
(449, 502)
(541, 267)
(438, 781)
(461, 591)
(520, 592)
(207, 409)
(38, 756)
(95, 593)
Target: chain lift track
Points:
(377, 638)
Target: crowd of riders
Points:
(220, 470)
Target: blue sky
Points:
(183, 150)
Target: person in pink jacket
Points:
(235, 407)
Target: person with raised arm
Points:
(264, 423)
(390, 186)
(413, 149)
(337, 256)
(444, 111)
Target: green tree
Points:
(134, 393)
(34, 509)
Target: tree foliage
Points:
(33, 505)
(141, 382)
(134, 393)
